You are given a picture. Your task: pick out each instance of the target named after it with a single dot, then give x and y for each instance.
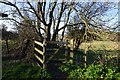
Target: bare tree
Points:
(91, 15)
(50, 15)
(47, 13)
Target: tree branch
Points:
(36, 13)
(12, 20)
(60, 15)
(42, 11)
(13, 5)
(51, 13)
(69, 25)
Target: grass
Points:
(101, 45)
(108, 49)
(20, 71)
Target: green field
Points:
(101, 45)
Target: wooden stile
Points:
(39, 58)
(42, 53)
(39, 51)
(39, 43)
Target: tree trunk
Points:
(63, 34)
(48, 33)
(54, 36)
(7, 46)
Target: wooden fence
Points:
(41, 49)
(74, 57)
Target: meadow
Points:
(101, 45)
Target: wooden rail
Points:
(39, 43)
(41, 50)
(56, 42)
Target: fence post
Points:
(66, 52)
(71, 55)
(44, 51)
(85, 56)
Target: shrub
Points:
(92, 72)
(67, 67)
(76, 74)
(25, 71)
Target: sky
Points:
(9, 24)
(74, 0)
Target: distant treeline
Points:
(112, 36)
(105, 35)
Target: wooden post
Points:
(7, 46)
(85, 56)
(44, 51)
(71, 55)
(101, 59)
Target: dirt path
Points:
(53, 68)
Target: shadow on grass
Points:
(107, 57)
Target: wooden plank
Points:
(39, 51)
(39, 58)
(57, 42)
(49, 49)
(39, 43)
